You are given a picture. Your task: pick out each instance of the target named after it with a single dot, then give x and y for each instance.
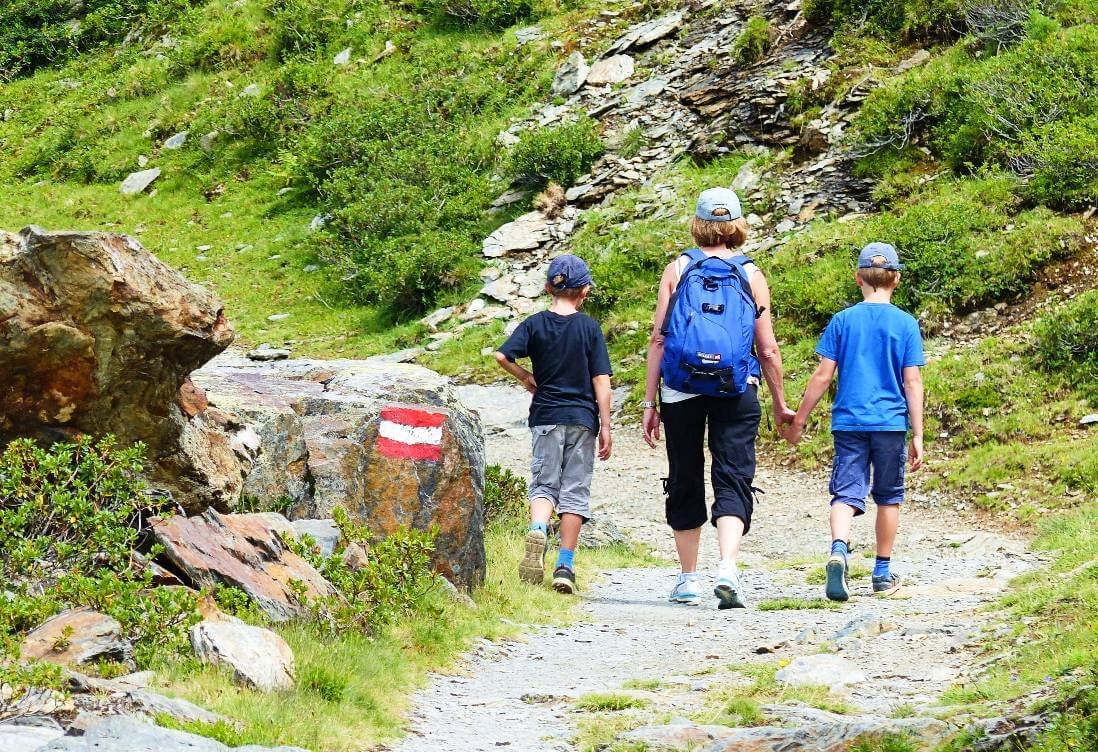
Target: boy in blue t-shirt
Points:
(877, 350)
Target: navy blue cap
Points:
(568, 272)
(866, 259)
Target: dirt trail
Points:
(521, 695)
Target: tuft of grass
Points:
(884, 743)
(738, 704)
(855, 571)
(609, 701)
(646, 684)
(753, 42)
(797, 604)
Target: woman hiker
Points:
(713, 338)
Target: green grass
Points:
(352, 690)
(646, 684)
(609, 702)
(739, 703)
(855, 571)
(796, 604)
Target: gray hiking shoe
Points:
(837, 588)
(564, 580)
(886, 586)
(532, 567)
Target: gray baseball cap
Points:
(888, 252)
(715, 199)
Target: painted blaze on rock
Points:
(389, 443)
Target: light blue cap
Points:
(718, 205)
(882, 250)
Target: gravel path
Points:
(520, 695)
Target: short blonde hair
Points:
(708, 233)
(875, 276)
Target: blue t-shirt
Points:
(566, 352)
(872, 343)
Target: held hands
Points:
(651, 425)
(783, 417)
(606, 443)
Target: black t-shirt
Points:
(567, 352)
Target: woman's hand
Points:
(651, 426)
(783, 417)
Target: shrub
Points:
(70, 517)
(561, 154)
(888, 18)
(1061, 161)
(753, 42)
(1067, 339)
(37, 33)
(397, 576)
(504, 496)
(488, 14)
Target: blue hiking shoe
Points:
(886, 586)
(686, 593)
(728, 589)
(837, 588)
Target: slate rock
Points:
(245, 551)
(258, 657)
(126, 734)
(76, 636)
(153, 704)
(176, 141)
(266, 352)
(343, 57)
(825, 669)
(23, 737)
(646, 33)
(570, 75)
(524, 233)
(324, 532)
(610, 70)
(136, 182)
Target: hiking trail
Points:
(521, 695)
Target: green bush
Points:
(561, 154)
(488, 14)
(907, 19)
(1062, 162)
(69, 521)
(504, 496)
(753, 42)
(1067, 339)
(397, 576)
(962, 243)
(37, 33)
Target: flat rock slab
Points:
(258, 657)
(571, 75)
(389, 443)
(646, 33)
(522, 234)
(824, 669)
(18, 738)
(124, 734)
(76, 636)
(136, 182)
(244, 551)
(610, 70)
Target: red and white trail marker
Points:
(410, 433)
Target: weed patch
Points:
(796, 604)
(609, 701)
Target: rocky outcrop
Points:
(246, 551)
(258, 657)
(389, 443)
(76, 636)
(97, 336)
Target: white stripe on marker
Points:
(410, 434)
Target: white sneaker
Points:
(686, 592)
(728, 590)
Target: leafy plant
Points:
(561, 153)
(489, 14)
(504, 496)
(1067, 339)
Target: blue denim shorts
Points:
(860, 454)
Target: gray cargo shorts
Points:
(562, 465)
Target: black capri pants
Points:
(733, 426)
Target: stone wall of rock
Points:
(98, 336)
(390, 443)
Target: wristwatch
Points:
(648, 404)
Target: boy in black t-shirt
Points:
(571, 405)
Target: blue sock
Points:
(566, 558)
(880, 568)
(543, 527)
(839, 547)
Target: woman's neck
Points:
(715, 250)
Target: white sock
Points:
(727, 566)
(687, 576)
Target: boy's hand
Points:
(606, 443)
(915, 452)
(794, 431)
(651, 426)
(529, 384)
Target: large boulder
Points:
(245, 551)
(258, 657)
(98, 336)
(76, 636)
(389, 443)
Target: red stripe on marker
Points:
(400, 450)
(415, 418)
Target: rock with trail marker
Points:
(390, 443)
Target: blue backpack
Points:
(709, 329)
